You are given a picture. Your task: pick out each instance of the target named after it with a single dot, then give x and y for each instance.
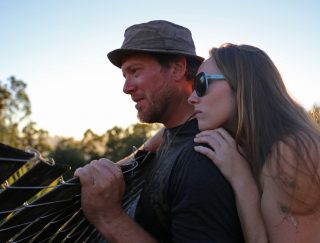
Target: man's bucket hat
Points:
(158, 36)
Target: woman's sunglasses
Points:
(201, 82)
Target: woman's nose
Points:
(193, 98)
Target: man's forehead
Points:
(136, 59)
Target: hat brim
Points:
(116, 56)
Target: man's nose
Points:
(129, 87)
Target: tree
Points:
(122, 142)
(14, 107)
(14, 101)
(36, 138)
(92, 145)
(16, 129)
(69, 152)
(115, 144)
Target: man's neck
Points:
(179, 115)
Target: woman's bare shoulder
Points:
(291, 192)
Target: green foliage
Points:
(78, 153)
(92, 145)
(68, 151)
(122, 142)
(15, 109)
(14, 101)
(36, 138)
(115, 144)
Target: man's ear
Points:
(179, 68)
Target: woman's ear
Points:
(179, 68)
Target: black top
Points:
(186, 198)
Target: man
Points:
(185, 198)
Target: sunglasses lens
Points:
(200, 85)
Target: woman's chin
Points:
(206, 126)
(202, 126)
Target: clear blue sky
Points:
(59, 48)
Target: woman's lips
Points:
(197, 113)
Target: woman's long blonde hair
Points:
(267, 115)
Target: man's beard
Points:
(158, 107)
(155, 111)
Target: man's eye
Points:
(135, 72)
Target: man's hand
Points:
(102, 189)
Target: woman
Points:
(255, 132)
